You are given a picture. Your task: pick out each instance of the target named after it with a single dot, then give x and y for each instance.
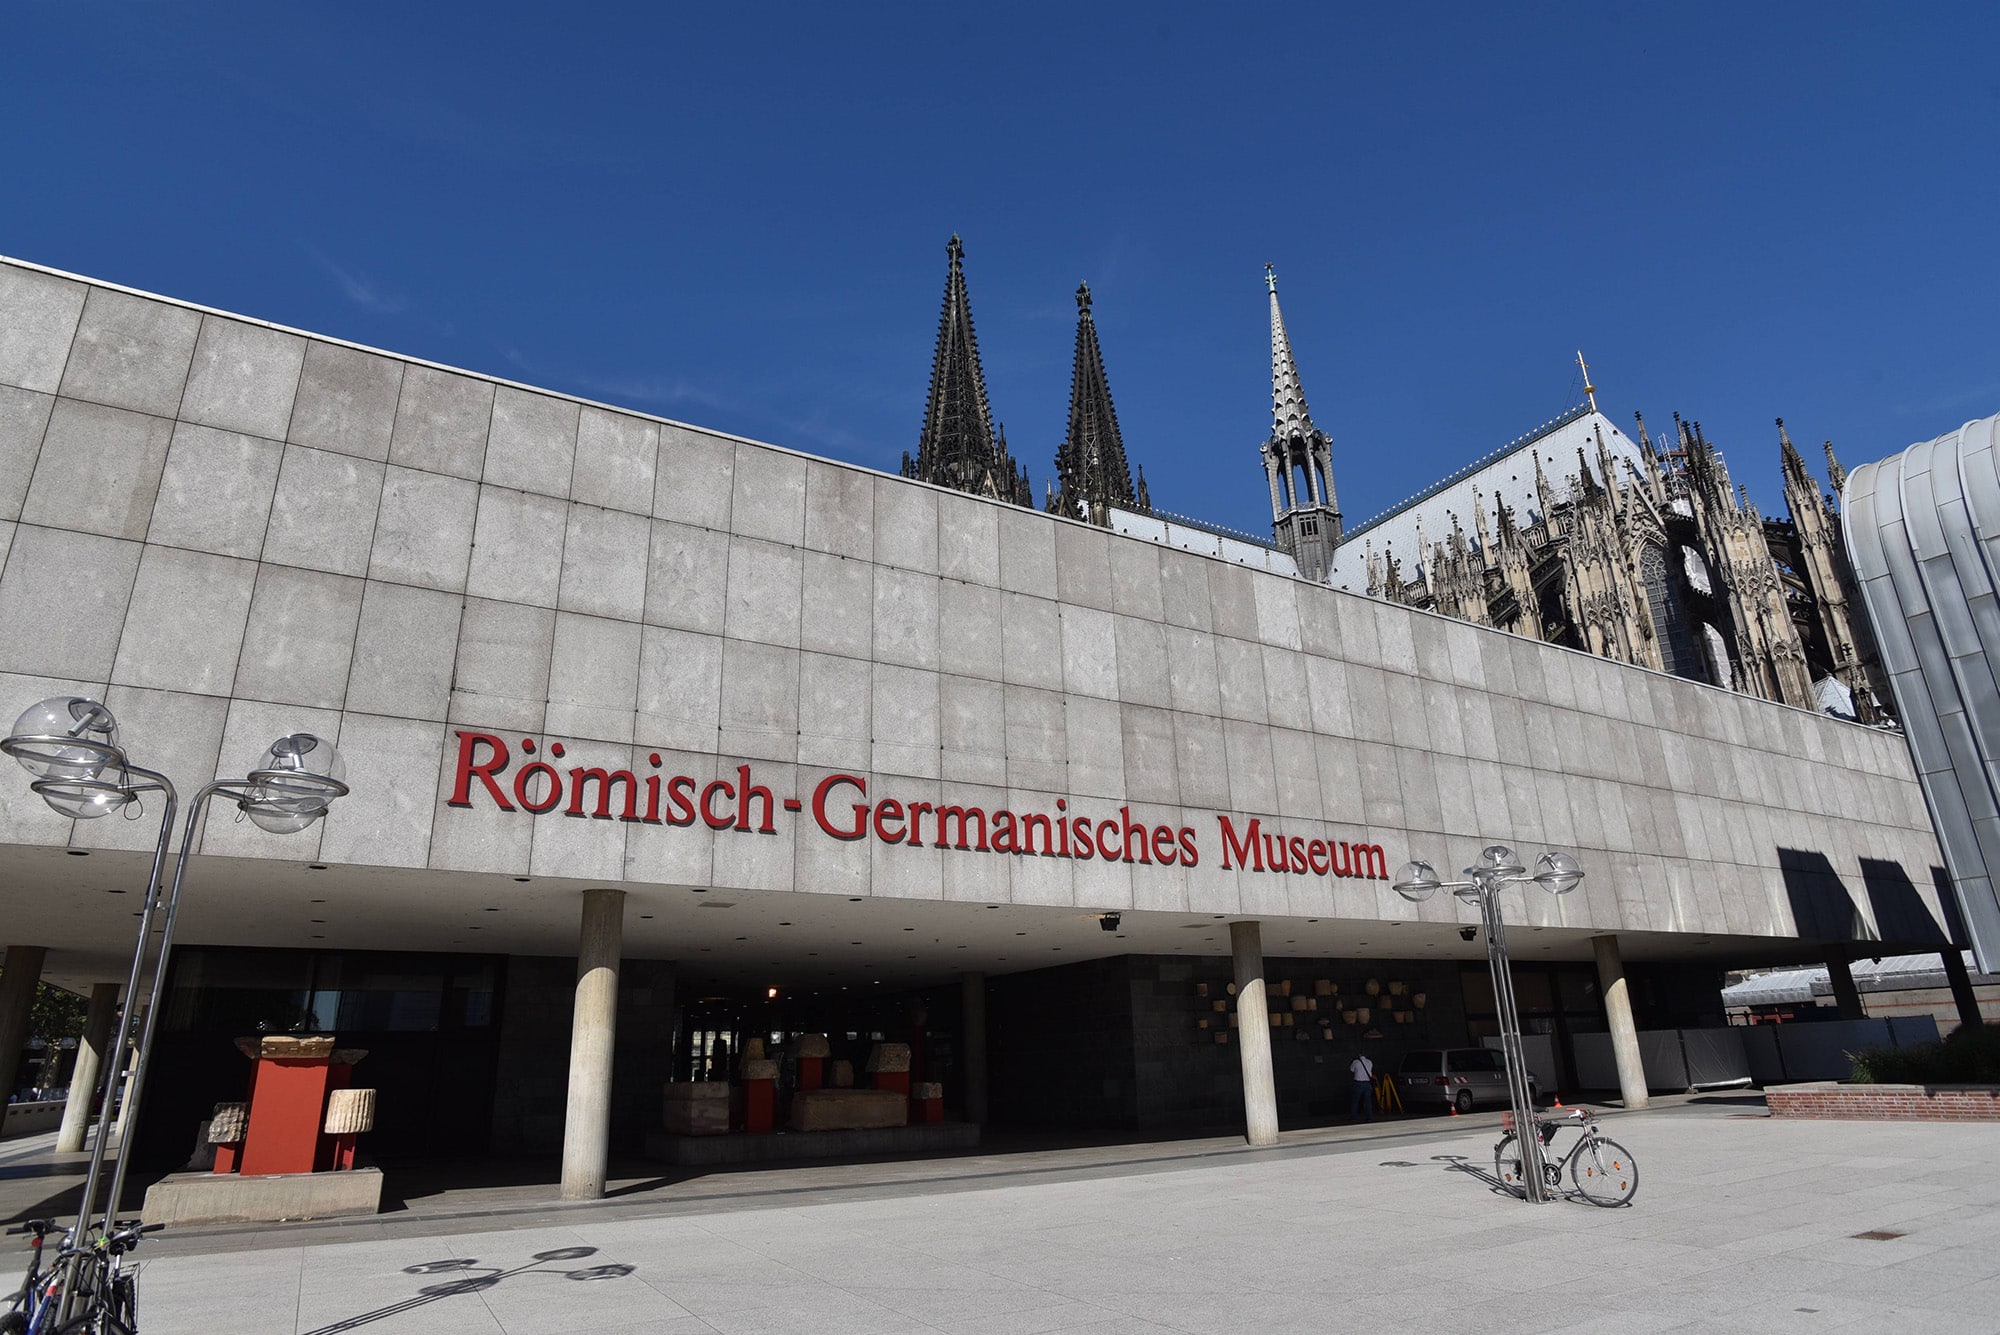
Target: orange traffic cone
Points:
(1454, 1110)
(1559, 1102)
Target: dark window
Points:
(291, 991)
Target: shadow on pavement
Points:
(474, 1278)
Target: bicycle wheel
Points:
(13, 1323)
(1604, 1172)
(1507, 1164)
(94, 1323)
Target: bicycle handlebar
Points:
(125, 1239)
(41, 1228)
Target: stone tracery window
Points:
(1669, 623)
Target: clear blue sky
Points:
(736, 215)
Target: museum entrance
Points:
(429, 1024)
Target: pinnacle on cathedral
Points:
(1092, 476)
(1298, 460)
(961, 447)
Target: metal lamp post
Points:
(71, 746)
(1497, 868)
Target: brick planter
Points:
(1882, 1103)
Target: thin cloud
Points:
(364, 292)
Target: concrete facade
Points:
(232, 530)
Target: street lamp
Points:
(71, 746)
(1557, 873)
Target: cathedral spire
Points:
(1834, 472)
(1091, 471)
(1792, 465)
(1298, 460)
(1289, 414)
(960, 447)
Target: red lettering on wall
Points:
(1240, 852)
(1132, 828)
(680, 792)
(1085, 849)
(1163, 845)
(964, 816)
(605, 781)
(1005, 839)
(746, 793)
(1190, 856)
(547, 803)
(470, 767)
(826, 786)
(708, 813)
(1316, 857)
(889, 821)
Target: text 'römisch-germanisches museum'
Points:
(695, 785)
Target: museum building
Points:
(785, 746)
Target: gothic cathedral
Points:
(1574, 533)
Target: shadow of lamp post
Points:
(71, 747)
(1497, 868)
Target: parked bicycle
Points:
(89, 1290)
(1601, 1168)
(24, 1306)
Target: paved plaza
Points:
(1741, 1224)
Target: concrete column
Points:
(17, 1002)
(587, 1123)
(973, 991)
(1253, 1035)
(1961, 986)
(1624, 1032)
(1845, 994)
(89, 1066)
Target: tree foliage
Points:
(56, 1014)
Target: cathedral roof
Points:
(1504, 475)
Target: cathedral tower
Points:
(1842, 641)
(960, 447)
(1091, 473)
(1298, 458)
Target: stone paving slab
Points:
(1741, 1224)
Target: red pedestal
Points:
(760, 1103)
(896, 1080)
(930, 1110)
(287, 1100)
(290, 1081)
(812, 1071)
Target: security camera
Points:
(1108, 921)
(1467, 933)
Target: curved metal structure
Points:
(1923, 532)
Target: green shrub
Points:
(1970, 1055)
